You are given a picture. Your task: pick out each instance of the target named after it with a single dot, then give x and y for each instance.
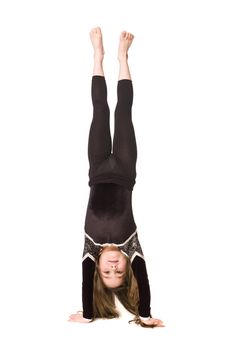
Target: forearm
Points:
(140, 273)
(87, 288)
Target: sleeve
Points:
(140, 273)
(88, 269)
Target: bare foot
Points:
(125, 42)
(97, 42)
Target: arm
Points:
(88, 269)
(140, 273)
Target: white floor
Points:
(45, 328)
(41, 287)
(180, 64)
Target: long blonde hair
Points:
(104, 297)
(128, 294)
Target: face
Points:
(112, 266)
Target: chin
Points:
(110, 247)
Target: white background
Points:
(180, 64)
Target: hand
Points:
(153, 322)
(78, 317)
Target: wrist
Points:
(145, 318)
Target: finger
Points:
(74, 317)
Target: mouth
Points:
(113, 261)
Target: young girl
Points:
(113, 262)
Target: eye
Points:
(119, 272)
(106, 272)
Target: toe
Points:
(123, 34)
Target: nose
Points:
(113, 267)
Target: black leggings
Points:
(117, 162)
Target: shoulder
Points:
(132, 247)
(91, 249)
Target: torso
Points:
(109, 217)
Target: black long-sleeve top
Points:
(109, 219)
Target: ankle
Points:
(123, 57)
(98, 56)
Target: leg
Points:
(125, 42)
(97, 43)
(124, 142)
(99, 143)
